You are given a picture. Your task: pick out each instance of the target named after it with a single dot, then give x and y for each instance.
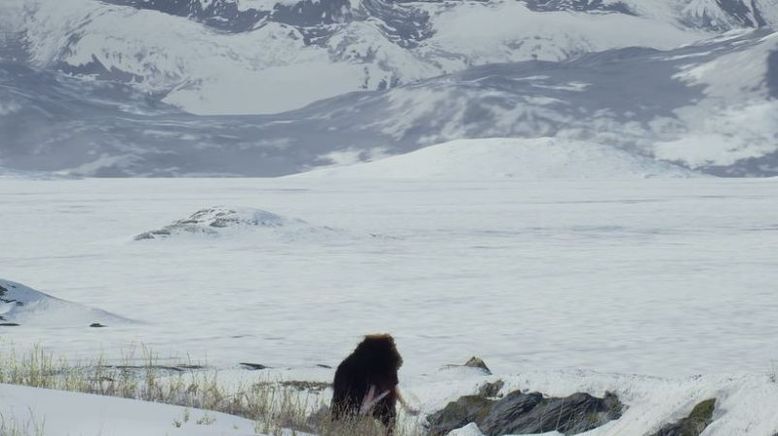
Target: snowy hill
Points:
(501, 158)
(22, 305)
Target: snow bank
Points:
(21, 305)
(66, 413)
(506, 158)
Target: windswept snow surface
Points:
(666, 277)
(500, 158)
(561, 286)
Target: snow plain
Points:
(667, 277)
(629, 285)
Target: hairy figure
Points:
(366, 382)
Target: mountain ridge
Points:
(108, 104)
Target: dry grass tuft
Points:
(273, 405)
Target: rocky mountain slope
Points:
(265, 88)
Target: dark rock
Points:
(253, 366)
(97, 325)
(163, 368)
(321, 365)
(491, 390)
(8, 324)
(459, 413)
(527, 413)
(4, 299)
(189, 366)
(772, 74)
(210, 220)
(531, 413)
(477, 362)
(694, 424)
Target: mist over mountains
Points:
(266, 88)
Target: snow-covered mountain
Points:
(260, 87)
(295, 54)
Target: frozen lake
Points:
(661, 277)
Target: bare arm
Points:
(408, 409)
(371, 399)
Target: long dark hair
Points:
(379, 353)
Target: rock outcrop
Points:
(694, 424)
(526, 413)
(211, 220)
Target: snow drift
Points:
(22, 305)
(505, 158)
(26, 409)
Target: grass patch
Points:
(274, 405)
(13, 427)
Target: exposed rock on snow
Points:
(476, 363)
(21, 305)
(464, 411)
(692, 425)
(491, 389)
(506, 158)
(218, 219)
(527, 413)
(253, 366)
